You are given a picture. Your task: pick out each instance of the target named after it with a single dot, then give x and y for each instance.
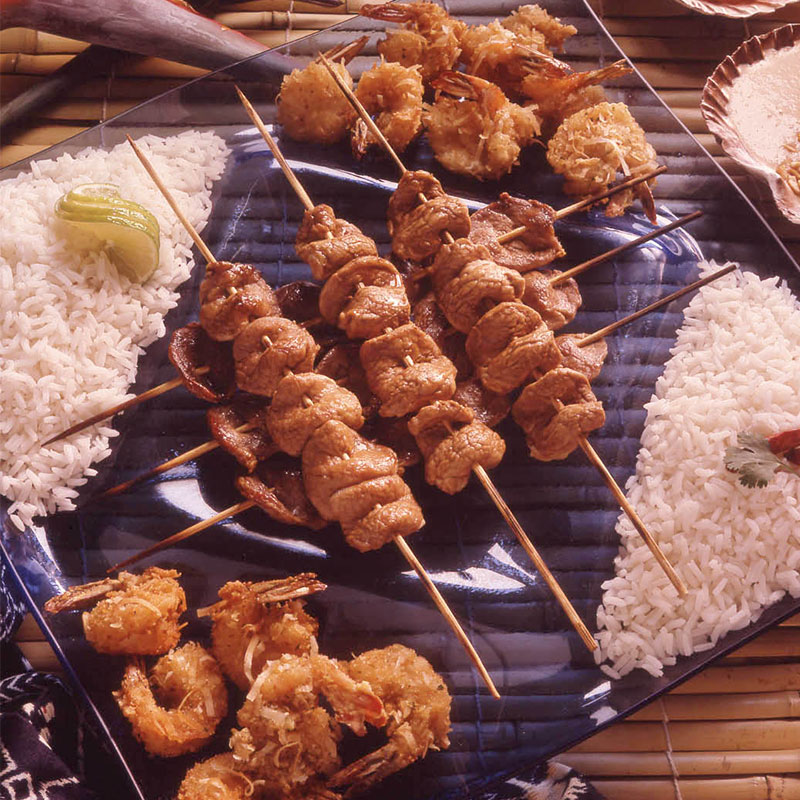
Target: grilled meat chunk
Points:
(418, 234)
(588, 360)
(403, 389)
(489, 408)
(327, 243)
(453, 443)
(267, 349)
(356, 482)
(247, 447)
(509, 345)
(479, 286)
(416, 227)
(557, 304)
(535, 248)
(556, 411)
(191, 348)
(304, 402)
(231, 297)
(277, 487)
(365, 297)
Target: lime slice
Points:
(99, 218)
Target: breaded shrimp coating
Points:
(417, 704)
(287, 739)
(311, 106)
(478, 132)
(135, 615)
(533, 21)
(392, 94)
(216, 778)
(592, 147)
(254, 623)
(430, 38)
(179, 708)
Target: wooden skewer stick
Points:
(592, 262)
(402, 545)
(584, 443)
(109, 412)
(603, 332)
(480, 472)
(244, 505)
(629, 183)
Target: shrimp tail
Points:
(360, 139)
(645, 194)
(275, 591)
(346, 52)
(371, 769)
(82, 596)
(388, 12)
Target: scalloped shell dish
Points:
(751, 103)
(734, 8)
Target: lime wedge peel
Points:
(104, 220)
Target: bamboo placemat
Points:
(732, 732)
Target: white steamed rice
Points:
(735, 367)
(71, 327)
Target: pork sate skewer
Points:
(559, 379)
(395, 518)
(441, 413)
(580, 340)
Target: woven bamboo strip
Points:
(10, 153)
(41, 654)
(643, 737)
(780, 642)
(718, 763)
(667, 8)
(757, 787)
(760, 678)
(122, 88)
(792, 622)
(91, 110)
(348, 7)
(261, 20)
(45, 135)
(760, 705)
(692, 48)
(24, 40)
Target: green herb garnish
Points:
(754, 459)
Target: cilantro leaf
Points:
(753, 459)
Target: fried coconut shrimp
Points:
(312, 107)
(534, 22)
(254, 623)
(478, 131)
(497, 54)
(136, 614)
(179, 708)
(288, 741)
(216, 778)
(591, 147)
(497, 51)
(417, 704)
(430, 37)
(559, 92)
(392, 94)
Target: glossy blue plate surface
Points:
(553, 694)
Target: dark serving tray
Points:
(553, 694)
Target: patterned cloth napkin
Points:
(46, 744)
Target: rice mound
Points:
(71, 327)
(735, 367)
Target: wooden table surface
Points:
(731, 733)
